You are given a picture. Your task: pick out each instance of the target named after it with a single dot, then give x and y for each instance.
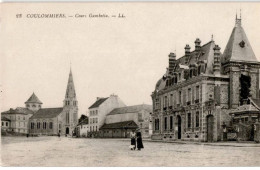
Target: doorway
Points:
(179, 126)
(210, 128)
(67, 131)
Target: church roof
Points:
(98, 103)
(47, 113)
(238, 47)
(120, 125)
(18, 110)
(131, 109)
(33, 99)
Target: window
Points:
(96, 128)
(171, 100)
(179, 97)
(189, 94)
(165, 123)
(140, 117)
(3, 124)
(189, 120)
(97, 120)
(67, 117)
(197, 92)
(90, 128)
(44, 125)
(6, 123)
(38, 125)
(24, 118)
(199, 69)
(33, 105)
(18, 117)
(156, 124)
(50, 125)
(32, 125)
(59, 126)
(171, 122)
(197, 119)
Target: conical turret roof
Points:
(238, 47)
(33, 99)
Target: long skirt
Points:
(133, 141)
(139, 143)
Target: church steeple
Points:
(70, 96)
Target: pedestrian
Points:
(133, 141)
(139, 140)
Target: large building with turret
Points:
(194, 98)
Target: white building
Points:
(99, 110)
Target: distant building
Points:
(140, 114)
(193, 99)
(18, 119)
(82, 128)
(118, 130)
(63, 120)
(5, 124)
(99, 110)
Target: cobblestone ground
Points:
(54, 151)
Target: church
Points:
(196, 96)
(54, 121)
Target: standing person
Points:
(139, 140)
(133, 141)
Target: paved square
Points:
(54, 151)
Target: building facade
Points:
(18, 120)
(193, 99)
(140, 114)
(61, 120)
(99, 110)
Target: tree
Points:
(82, 117)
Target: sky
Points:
(122, 56)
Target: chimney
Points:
(216, 64)
(187, 53)
(172, 62)
(197, 45)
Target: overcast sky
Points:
(108, 55)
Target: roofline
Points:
(195, 50)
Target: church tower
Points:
(242, 66)
(70, 107)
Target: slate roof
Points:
(234, 51)
(33, 99)
(18, 110)
(120, 125)
(131, 109)
(47, 113)
(98, 103)
(5, 119)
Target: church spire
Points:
(70, 92)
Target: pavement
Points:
(228, 143)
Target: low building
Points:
(5, 124)
(19, 118)
(98, 111)
(118, 130)
(140, 114)
(82, 128)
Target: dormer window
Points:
(242, 44)
(33, 105)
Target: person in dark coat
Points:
(139, 141)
